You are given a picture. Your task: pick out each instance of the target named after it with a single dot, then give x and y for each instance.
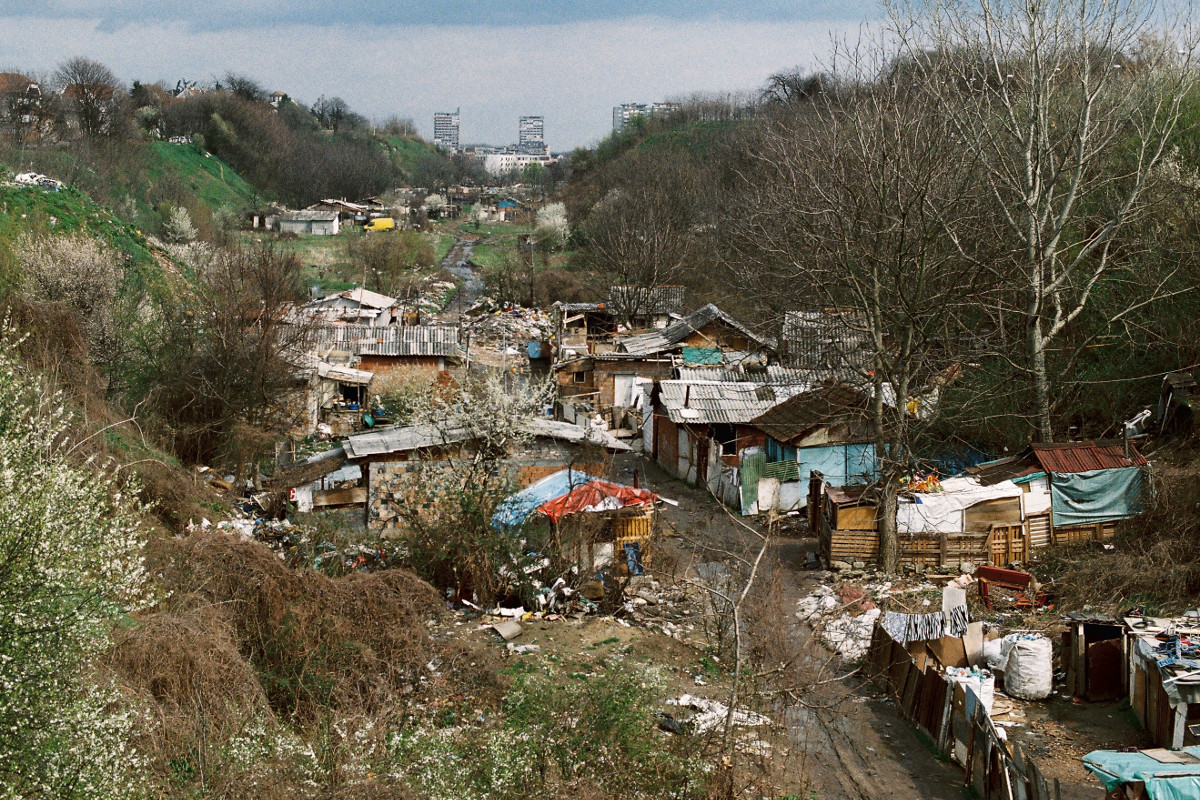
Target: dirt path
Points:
(458, 263)
(846, 742)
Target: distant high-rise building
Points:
(531, 136)
(445, 129)
(623, 113)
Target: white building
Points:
(623, 113)
(507, 161)
(445, 129)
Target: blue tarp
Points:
(841, 464)
(1163, 781)
(515, 509)
(1101, 495)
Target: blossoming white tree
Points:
(70, 568)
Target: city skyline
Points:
(585, 61)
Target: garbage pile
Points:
(298, 546)
(844, 617)
(507, 330)
(433, 295)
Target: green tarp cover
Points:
(1102, 495)
(702, 356)
(752, 467)
(1163, 781)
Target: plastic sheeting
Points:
(1163, 781)
(942, 512)
(1102, 495)
(567, 492)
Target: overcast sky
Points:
(567, 60)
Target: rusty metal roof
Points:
(1060, 457)
(1085, 456)
(674, 335)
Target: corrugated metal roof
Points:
(415, 437)
(344, 374)
(309, 216)
(823, 406)
(405, 439)
(1060, 457)
(672, 336)
(366, 297)
(836, 343)
(711, 403)
(773, 375)
(389, 340)
(646, 299)
(1085, 456)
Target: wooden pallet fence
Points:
(938, 707)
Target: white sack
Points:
(1028, 666)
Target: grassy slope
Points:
(70, 211)
(205, 175)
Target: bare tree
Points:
(647, 229)
(331, 112)
(847, 213)
(1070, 113)
(91, 93)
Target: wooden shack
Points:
(989, 531)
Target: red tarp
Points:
(596, 496)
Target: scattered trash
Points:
(508, 630)
(712, 714)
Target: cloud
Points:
(114, 15)
(572, 73)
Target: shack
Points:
(385, 349)
(1072, 491)
(610, 522)
(399, 464)
(942, 524)
(824, 430)
(315, 223)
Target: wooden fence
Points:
(939, 708)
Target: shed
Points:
(1074, 491)
(964, 522)
(317, 223)
(823, 430)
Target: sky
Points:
(566, 60)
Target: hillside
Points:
(204, 175)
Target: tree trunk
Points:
(1041, 381)
(885, 518)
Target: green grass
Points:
(70, 211)
(443, 243)
(490, 255)
(205, 176)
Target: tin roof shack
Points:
(960, 522)
(612, 383)
(824, 430)
(639, 307)
(397, 461)
(830, 342)
(382, 350)
(585, 514)
(331, 395)
(1146, 774)
(325, 480)
(1074, 491)
(356, 307)
(1164, 678)
(703, 435)
(315, 223)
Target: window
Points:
(579, 377)
(727, 436)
